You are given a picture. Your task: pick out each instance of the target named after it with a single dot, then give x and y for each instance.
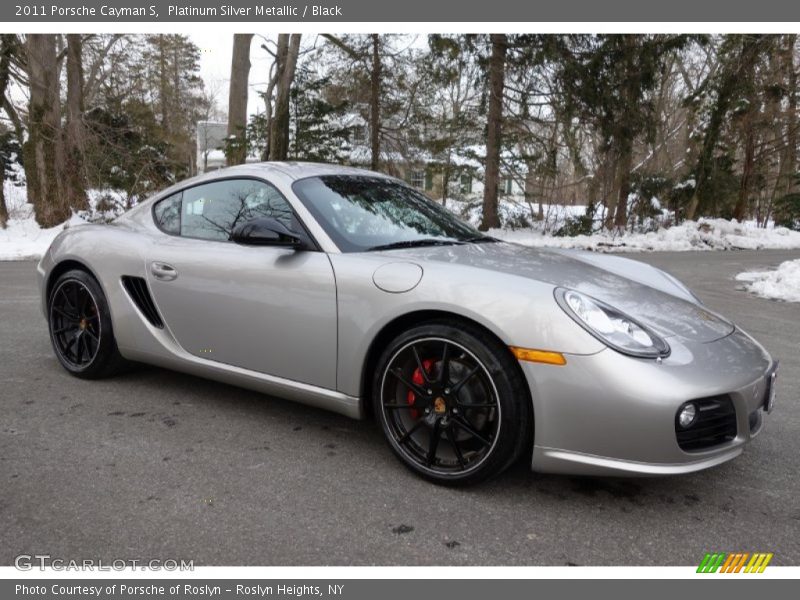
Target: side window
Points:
(211, 211)
(167, 214)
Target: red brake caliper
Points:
(418, 379)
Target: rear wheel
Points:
(451, 402)
(80, 327)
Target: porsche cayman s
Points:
(349, 290)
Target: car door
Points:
(269, 309)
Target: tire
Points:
(454, 387)
(80, 327)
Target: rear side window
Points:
(167, 214)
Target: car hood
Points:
(641, 291)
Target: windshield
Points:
(363, 213)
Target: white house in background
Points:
(422, 173)
(210, 137)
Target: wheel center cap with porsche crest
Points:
(439, 405)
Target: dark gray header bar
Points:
(341, 11)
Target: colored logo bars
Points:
(735, 562)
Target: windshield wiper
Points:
(480, 239)
(415, 244)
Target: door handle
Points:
(163, 271)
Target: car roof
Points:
(292, 170)
(287, 171)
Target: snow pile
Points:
(23, 239)
(780, 284)
(705, 234)
(514, 214)
(105, 205)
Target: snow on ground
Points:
(515, 214)
(24, 239)
(780, 284)
(704, 234)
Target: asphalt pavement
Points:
(155, 464)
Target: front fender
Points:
(518, 310)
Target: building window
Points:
(506, 186)
(358, 135)
(465, 183)
(417, 179)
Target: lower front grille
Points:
(714, 425)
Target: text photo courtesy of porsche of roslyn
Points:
(411, 299)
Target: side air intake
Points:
(137, 290)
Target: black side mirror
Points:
(265, 231)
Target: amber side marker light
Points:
(540, 356)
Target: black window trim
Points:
(315, 247)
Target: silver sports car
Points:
(348, 290)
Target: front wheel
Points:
(452, 403)
(80, 327)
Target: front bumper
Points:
(611, 414)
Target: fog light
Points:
(687, 416)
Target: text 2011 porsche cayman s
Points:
(349, 290)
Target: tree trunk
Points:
(236, 148)
(624, 138)
(787, 174)
(748, 133)
(447, 173)
(3, 209)
(75, 135)
(732, 80)
(44, 152)
(623, 185)
(286, 66)
(529, 191)
(694, 203)
(7, 45)
(493, 131)
(163, 84)
(745, 183)
(267, 96)
(375, 77)
(611, 179)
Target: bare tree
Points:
(8, 44)
(497, 62)
(236, 148)
(285, 67)
(44, 150)
(75, 135)
(375, 76)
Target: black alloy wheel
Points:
(452, 403)
(80, 327)
(75, 323)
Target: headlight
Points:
(612, 327)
